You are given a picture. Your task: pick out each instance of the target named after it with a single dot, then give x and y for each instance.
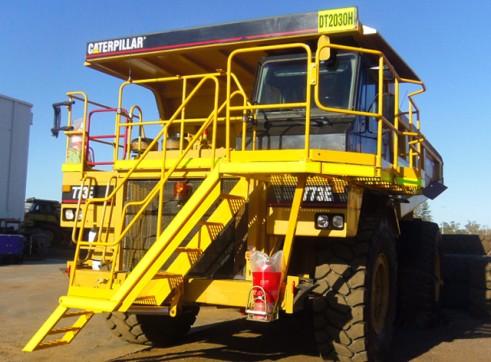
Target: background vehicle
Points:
(281, 170)
(31, 237)
(43, 219)
(11, 243)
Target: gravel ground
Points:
(30, 293)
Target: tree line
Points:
(471, 227)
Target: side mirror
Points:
(57, 118)
(324, 45)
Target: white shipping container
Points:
(15, 122)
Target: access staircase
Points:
(161, 271)
(147, 285)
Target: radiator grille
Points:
(143, 234)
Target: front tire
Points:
(355, 302)
(154, 330)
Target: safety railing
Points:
(78, 149)
(82, 138)
(106, 212)
(396, 125)
(248, 108)
(106, 139)
(166, 170)
(412, 130)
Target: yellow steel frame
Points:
(164, 175)
(250, 163)
(146, 284)
(416, 143)
(305, 161)
(417, 148)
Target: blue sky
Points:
(447, 43)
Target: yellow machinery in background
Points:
(280, 168)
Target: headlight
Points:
(329, 221)
(338, 221)
(321, 221)
(69, 214)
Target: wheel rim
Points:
(380, 294)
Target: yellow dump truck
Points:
(278, 172)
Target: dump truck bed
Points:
(204, 49)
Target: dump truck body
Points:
(279, 171)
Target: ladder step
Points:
(213, 228)
(163, 275)
(50, 328)
(210, 223)
(232, 197)
(54, 343)
(188, 250)
(150, 300)
(77, 314)
(235, 202)
(193, 254)
(64, 330)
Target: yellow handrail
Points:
(415, 135)
(211, 120)
(245, 108)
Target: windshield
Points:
(283, 81)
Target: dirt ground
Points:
(29, 293)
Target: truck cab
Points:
(344, 83)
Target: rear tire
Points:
(480, 289)
(355, 302)
(456, 280)
(420, 273)
(463, 244)
(154, 330)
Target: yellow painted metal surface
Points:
(232, 293)
(96, 279)
(196, 160)
(50, 328)
(353, 211)
(289, 293)
(204, 122)
(342, 157)
(410, 177)
(268, 168)
(165, 246)
(293, 221)
(278, 222)
(88, 302)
